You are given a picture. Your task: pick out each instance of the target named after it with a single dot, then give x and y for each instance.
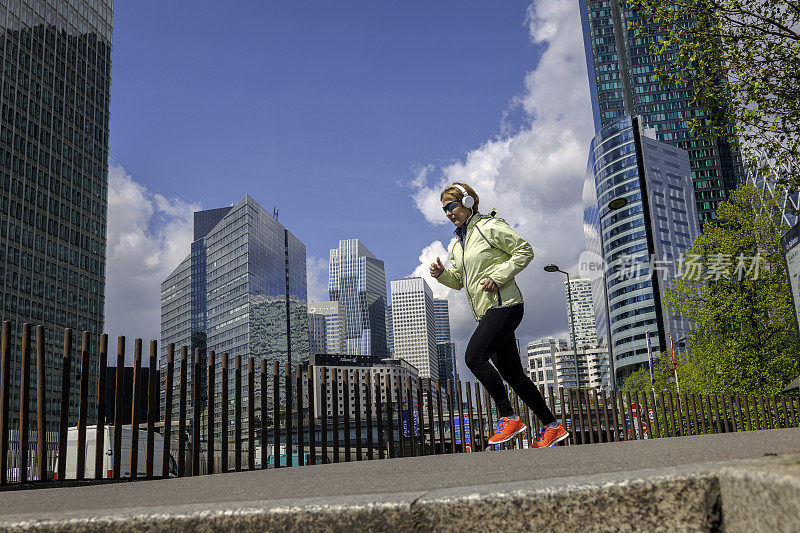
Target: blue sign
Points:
(457, 422)
(406, 432)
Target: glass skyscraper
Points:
(640, 244)
(242, 290)
(621, 79)
(357, 280)
(55, 74)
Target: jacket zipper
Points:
(464, 271)
(484, 236)
(499, 298)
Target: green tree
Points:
(742, 58)
(735, 292)
(663, 379)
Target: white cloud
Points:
(533, 176)
(422, 175)
(148, 236)
(317, 279)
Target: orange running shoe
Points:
(550, 436)
(507, 429)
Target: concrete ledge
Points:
(686, 500)
(645, 501)
(761, 495)
(742, 494)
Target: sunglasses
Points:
(452, 205)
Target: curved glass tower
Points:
(641, 243)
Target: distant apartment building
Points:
(445, 348)
(241, 291)
(358, 369)
(593, 368)
(582, 311)
(357, 281)
(541, 365)
(552, 363)
(414, 326)
(326, 328)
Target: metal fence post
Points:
(83, 407)
(152, 408)
(24, 403)
(41, 403)
(137, 370)
(5, 394)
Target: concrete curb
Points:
(624, 501)
(754, 495)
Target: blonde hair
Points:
(453, 194)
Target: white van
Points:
(108, 455)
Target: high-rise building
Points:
(56, 78)
(325, 328)
(242, 290)
(622, 82)
(640, 244)
(445, 348)
(357, 281)
(580, 291)
(413, 323)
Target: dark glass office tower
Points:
(241, 290)
(621, 80)
(444, 346)
(55, 75)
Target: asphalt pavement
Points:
(406, 475)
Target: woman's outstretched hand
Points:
(437, 268)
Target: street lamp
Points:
(554, 268)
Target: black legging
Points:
(494, 339)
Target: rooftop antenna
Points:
(275, 212)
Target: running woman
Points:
(484, 259)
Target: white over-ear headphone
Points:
(467, 201)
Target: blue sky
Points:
(323, 109)
(329, 111)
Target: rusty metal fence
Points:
(317, 415)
